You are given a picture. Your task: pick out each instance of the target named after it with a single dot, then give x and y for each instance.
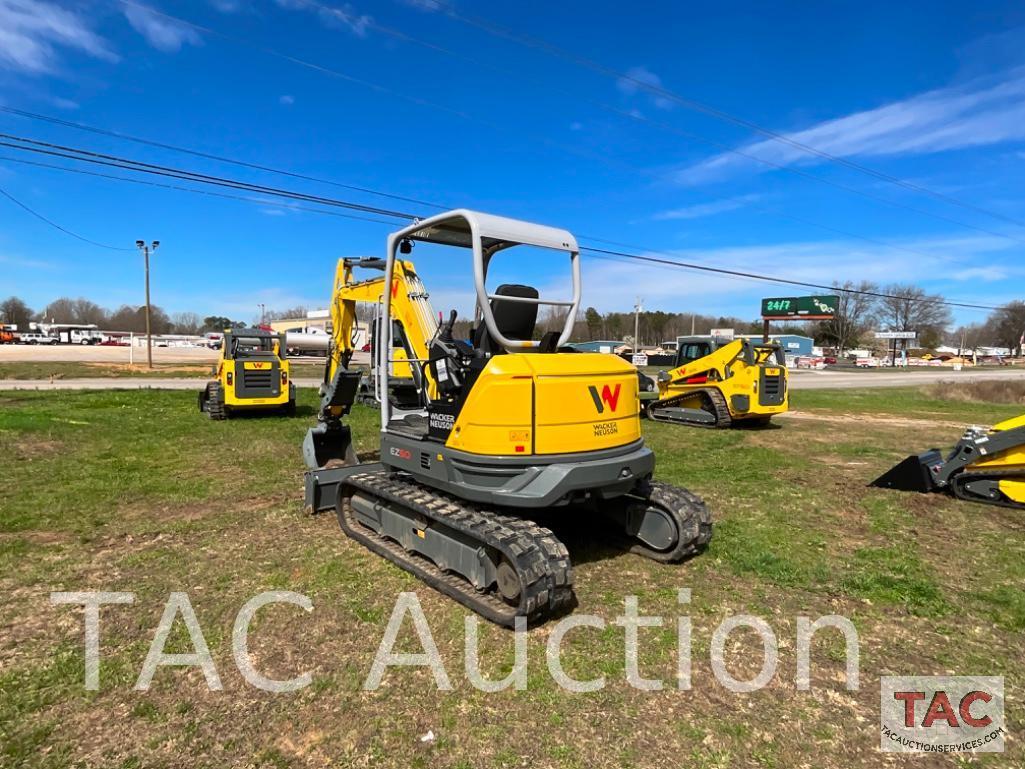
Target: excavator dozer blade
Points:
(912, 473)
(328, 443)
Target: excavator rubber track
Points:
(990, 494)
(690, 517)
(539, 561)
(669, 410)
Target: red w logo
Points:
(608, 397)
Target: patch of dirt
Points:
(862, 418)
(27, 449)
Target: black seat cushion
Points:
(516, 320)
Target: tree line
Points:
(131, 318)
(863, 307)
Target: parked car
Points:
(32, 337)
(829, 360)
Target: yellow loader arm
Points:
(718, 386)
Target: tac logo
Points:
(942, 714)
(608, 397)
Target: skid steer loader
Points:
(252, 374)
(721, 383)
(987, 465)
(506, 426)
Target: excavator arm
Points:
(410, 307)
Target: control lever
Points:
(446, 330)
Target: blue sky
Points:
(932, 93)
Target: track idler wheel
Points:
(664, 522)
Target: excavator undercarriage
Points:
(506, 429)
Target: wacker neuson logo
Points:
(942, 714)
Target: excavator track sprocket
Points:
(670, 410)
(500, 566)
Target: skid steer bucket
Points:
(912, 474)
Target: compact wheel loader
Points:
(987, 465)
(721, 383)
(252, 374)
(505, 426)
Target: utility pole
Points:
(693, 317)
(141, 245)
(637, 324)
(263, 312)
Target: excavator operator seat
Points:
(515, 320)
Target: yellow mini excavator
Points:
(987, 465)
(720, 383)
(504, 425)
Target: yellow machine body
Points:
(987, 465)
(1010, 460)
(529, 404)
(748, 380)
(252, 374)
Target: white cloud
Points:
(286, 99)
(32, 30)
(28, 264)
(62, 103)
(344, 16)
(981, 273)
(642, 79)
(227, 6)
(273, 211)
(610, 285)
(706, 209)
(161, 32)
(981, 112)
(576, 126)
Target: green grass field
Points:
(305, 367)
(136, 491)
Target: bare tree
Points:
(87, 312)
(853, 313)
(1008, 325)
(186, 323)
(15, 312)
(287, 314)
(60, 310)
(908, 308)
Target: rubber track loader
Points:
(504, 428)
(252, 375)
(720, 383)
(987, 465)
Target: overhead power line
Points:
(783, 281)
(56, 226)
(573, 150)
(72, 153)
(209, 156)
(290, 206)
(26, 144)
(697, 106)
(637, 117)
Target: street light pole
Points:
(637, 324)
(141, 245)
